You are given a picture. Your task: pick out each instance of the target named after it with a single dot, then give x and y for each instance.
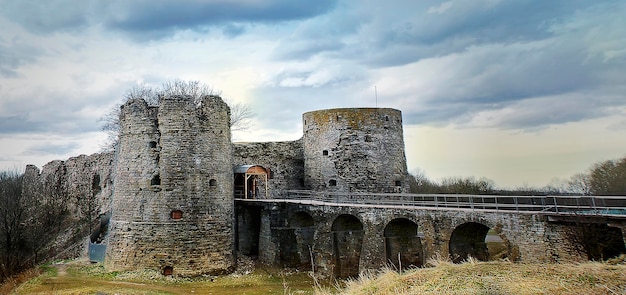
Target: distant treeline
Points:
(606, 178)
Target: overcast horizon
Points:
(520, 92)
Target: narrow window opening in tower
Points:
(168, 271)
(156, 180)
(398, 183)
(152, 144)
(325, 152)
(212, 182)
(332, 182)
(176, 215)
(387, 118)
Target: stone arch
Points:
(478, 241)
(347, 232)
(297, 245)
(403, 246)
(301, 219)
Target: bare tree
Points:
(420, 184)
(608, 178)
(240, 114)
(33, 212)
(12, 211)
(580, 184)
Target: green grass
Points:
(86, 278)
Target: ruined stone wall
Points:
(82, 186)
(80, 179)
(173, 203)
(284, 160)
(357, 149)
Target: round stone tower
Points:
(173, 204)
(354, 150)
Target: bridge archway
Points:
(403, 246)
(475, 240)
(297, 246)
(248, 230)
(347, 233)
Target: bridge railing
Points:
(562, 205)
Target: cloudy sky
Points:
(517, 91)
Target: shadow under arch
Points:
(347, 233)
(297, 245)
(403, 246)
(476, 240)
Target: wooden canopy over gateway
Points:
(249, 179)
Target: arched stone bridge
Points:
(344, 234)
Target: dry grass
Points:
(14, 281)
(439, 277)
(500, 277)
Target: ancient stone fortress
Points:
(174, 176)
(179, 197)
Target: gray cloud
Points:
(395, 33)
(13, 55)
(150, 20)
(547, 63)
(39, 111)
(51, 149)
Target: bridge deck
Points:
(604, 206)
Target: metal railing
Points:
(614, 206)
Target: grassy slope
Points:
(443, 278)
(495, 278)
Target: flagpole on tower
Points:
(376, 94)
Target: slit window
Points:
(156, 180)
(152, 144)
(212, 182)
(398, 183)
(325, 152)
(332, 182)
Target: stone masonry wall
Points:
(173, 204)
(284, 159)
(360, 150)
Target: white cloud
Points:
(440, 9)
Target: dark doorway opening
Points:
(478, 241)
(347, 232)
(248, 230)
(297, 243)
(403, 246)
